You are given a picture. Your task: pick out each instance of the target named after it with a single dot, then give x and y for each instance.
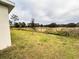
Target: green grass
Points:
(33, 45)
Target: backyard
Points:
(36, 45)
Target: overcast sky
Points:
(47, 11)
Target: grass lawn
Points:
(33, 45)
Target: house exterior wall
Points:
(5, 40)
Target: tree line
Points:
(33, 24)
(63, 25)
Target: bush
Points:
(71, 32)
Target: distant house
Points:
(5, 8)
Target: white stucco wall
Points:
(5, 40)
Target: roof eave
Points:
(9, 5)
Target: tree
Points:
(51, 25)
(23, 24)
(77, 24)
(16, 24)
(14, 18)
(10, 22)
(20, 24)
(32, 24)
(71, 25)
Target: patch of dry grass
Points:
(33, 45)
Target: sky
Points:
(47, 11)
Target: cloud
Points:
(47, 11)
